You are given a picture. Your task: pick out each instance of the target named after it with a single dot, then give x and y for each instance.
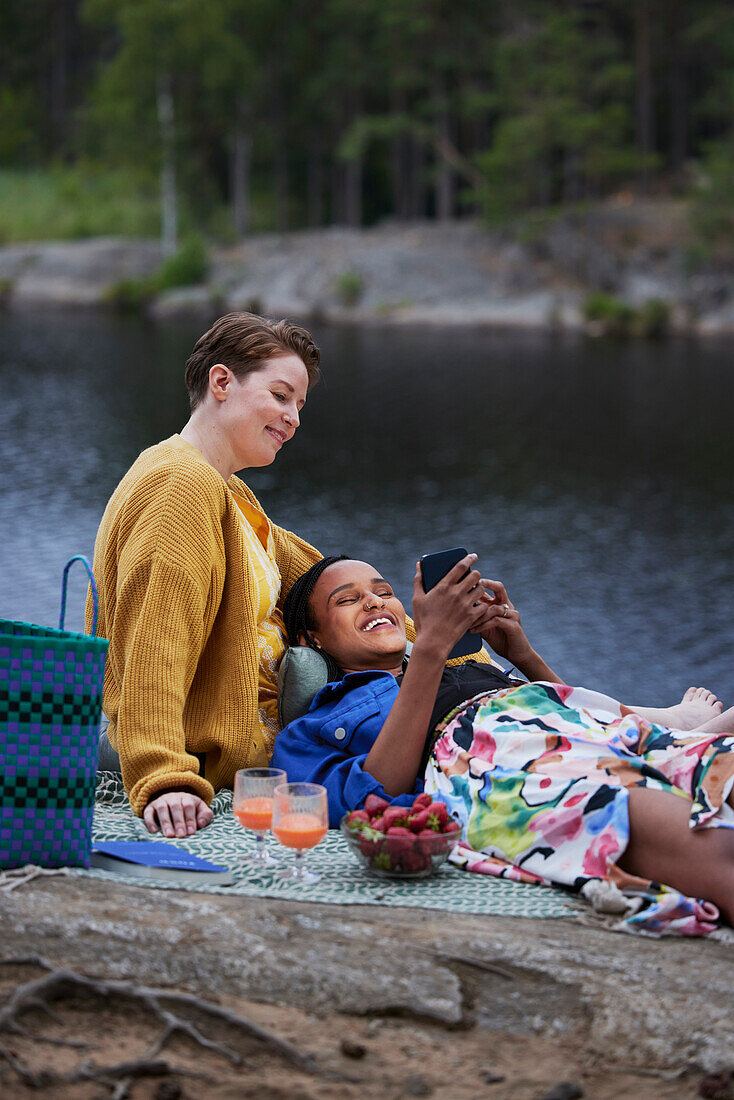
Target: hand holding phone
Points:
(434, 568)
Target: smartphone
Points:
(433, 568)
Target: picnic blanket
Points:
(343, 881)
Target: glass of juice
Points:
(300, 821)
(252, 805)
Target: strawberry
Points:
(423, 860)
(369, 844)
(399, 841)
(451, 826)
(374, 805)
(438, 815)
(435, 844)
(412, 861)
(395, 815)
(357, 819)
(418, 821)
(378, 823)
(421, 802)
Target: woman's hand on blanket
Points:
(176, 813)
(502, 628)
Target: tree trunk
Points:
(346, 182)
(678, 97)
(417, 153)
(337, 186)
(314, 181)
(571, 176)
(481, 139)
(281, 187)
(400, 163)
(353, 192)
(240, 180)
(353, 170)
(167, 129)
(280, 151)
(58, 76)
(445, 182)
(644, 121)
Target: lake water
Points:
(596, 478)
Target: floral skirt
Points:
(538, 777)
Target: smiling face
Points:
(357, 617)
(261, 410)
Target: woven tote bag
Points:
(50, 707)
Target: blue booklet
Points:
(157, 859)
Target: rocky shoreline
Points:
(457, 273)
(380, 1002)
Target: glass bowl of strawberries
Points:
(401, 841)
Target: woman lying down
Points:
(550, 783)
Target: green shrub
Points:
(610, 316)
(129, 295)
(186, 267)
(653, 319)
(349, 288)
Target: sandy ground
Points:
(354, 1057)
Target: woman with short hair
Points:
(192, 575)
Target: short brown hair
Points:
(243, 342)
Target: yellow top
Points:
(179, 600)
(271, 637)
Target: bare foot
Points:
(696, 707)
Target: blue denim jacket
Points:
(329, 744)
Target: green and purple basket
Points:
(50, 707)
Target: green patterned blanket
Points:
(343, 881)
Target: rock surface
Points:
(662, 1005)
(458, 273)
(75, 273)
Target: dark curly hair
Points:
(298, 614)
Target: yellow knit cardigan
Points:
(177, 601)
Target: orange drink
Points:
(300, 830)
(252, 805)
(255, 813)
(300, 821)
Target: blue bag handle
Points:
(93, 585)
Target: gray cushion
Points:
(302, 673)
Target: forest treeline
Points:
(254, 114)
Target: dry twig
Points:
(14, 877)
(57, 983)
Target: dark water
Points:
(595, 478)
